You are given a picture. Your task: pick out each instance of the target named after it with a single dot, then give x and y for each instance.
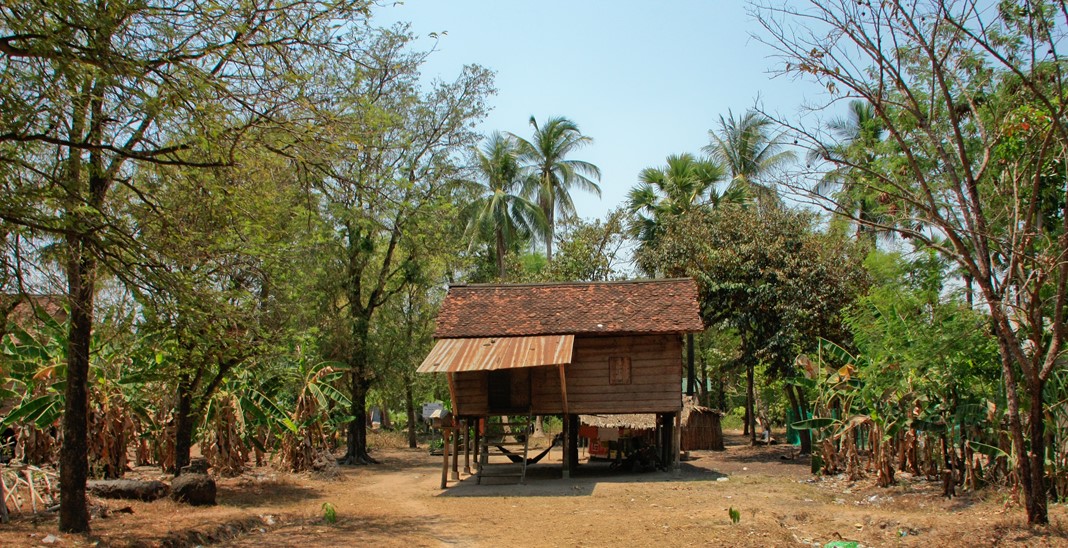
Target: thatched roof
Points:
(690, 405)
(635, 421)
(647, 421)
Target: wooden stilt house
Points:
(567, 349)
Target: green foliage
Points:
(585, 251)
(329, 513)
(550, 174)
(684, 184)
(499, 216)
(767, 274)
(752, 152)
(734, 515)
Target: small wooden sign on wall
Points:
(619, 370)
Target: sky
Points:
(643, 79)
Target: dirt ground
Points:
(399, 503)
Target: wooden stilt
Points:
(478, 440)
(456, 451)
(676, 445)
(467, 447)
(566, 421)
(572, 441)
(445, 451)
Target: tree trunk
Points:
(356, 447)
(1037, 510)
(550, 208)
(73, 454)
(797, 401)
(183, 427)
(721, 393)
(691, 375)
(750, 401)
(706, 396)
(385, 422)
(409, 402)
(501, 250)
(360, 381)
(1036, 513)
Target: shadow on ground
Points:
(273, 493)
(546, 480)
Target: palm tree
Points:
(682, 185)
(551, 175)
(858, 136)
(750, 151)
(499, 213)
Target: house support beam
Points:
(456, 449)
(467, 447)
(566, 420)
(572, 440)
(676, 445)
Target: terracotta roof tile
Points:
(653, 306)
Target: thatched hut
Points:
(701, 427)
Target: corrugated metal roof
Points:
(451, 355)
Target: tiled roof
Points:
(637, 307)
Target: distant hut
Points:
(614, 437)
(605, 348)
(701, 427)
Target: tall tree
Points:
(225, 271)
(972, 98)
(551, 175)
(685, 184)
(500, 213)
(751, 152)
(389, 170)
(767, 274)
(857, 138)
(95, 88)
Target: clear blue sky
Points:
(643, 79)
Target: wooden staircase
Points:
(505, 439)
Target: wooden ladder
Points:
(502, 439)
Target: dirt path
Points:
(398, 503)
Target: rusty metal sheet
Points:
(452, 355)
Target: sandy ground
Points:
(399, 503)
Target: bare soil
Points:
(399, 503)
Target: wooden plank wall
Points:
(655, 379)
(655, 375)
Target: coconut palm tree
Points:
(857, 137)
(550, 175)
(750, 151)
(685, 183)
(500, 212)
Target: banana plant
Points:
(33, 366)
(290, 413)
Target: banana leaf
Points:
(42, 411)
(814, 423)
(988, 450)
